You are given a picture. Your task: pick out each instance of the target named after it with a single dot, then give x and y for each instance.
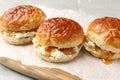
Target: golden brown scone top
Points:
(60, 32)
(21, 18)
(105, 32)
(101, 25)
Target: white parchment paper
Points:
(85, 65)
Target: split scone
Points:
(18, 24)
(58, 40)
(103, 38)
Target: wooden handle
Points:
(40, 73)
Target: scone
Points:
(103, 38)
(58, 40)
(18, 24)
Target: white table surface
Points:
(95, 7)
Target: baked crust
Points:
(60, 32)
(105, 32)
(21, 18)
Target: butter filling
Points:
(18, 35)
(58, 53)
